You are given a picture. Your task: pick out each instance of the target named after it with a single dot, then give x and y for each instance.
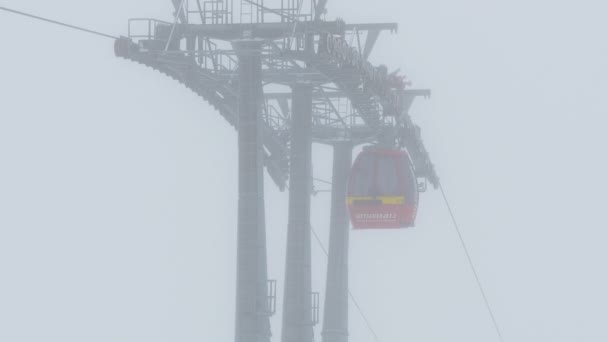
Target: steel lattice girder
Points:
(377, 111)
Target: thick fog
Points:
(118, 185)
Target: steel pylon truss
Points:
(353, 100)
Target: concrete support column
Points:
(252, 307)
(297, 309)
(335, 318)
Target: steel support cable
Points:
(59, 23)
(472, 265)
(350, 294)
(177, 14)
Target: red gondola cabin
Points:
(382, 190)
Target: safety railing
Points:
(215, 12)
(145, 28)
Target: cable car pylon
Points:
(408, 136)
(337, 98)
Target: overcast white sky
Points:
(118, 185)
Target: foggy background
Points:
(118, 185)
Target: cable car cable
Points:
(350, 294)
(471, 264)
(59, 23)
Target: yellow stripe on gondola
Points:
(383, 199)
(351, 199)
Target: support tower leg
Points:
(297, 309)
(252, 307)
(335, 318)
